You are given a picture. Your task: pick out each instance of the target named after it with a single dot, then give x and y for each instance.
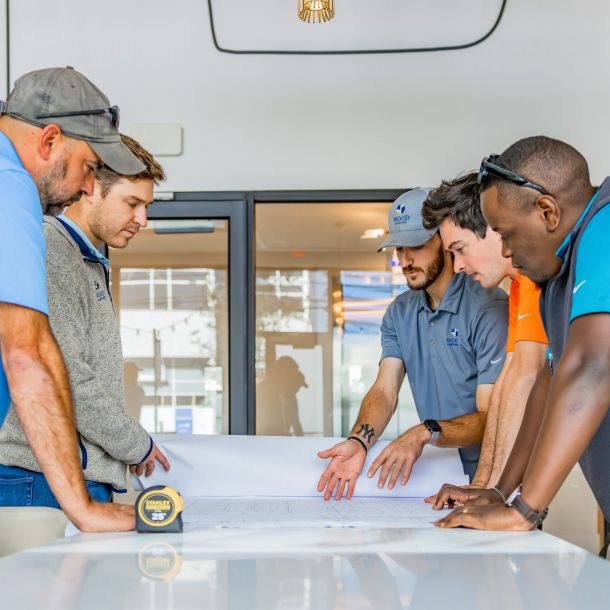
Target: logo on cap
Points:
(400, 217)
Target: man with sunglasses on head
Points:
(554, 226)
(455, 209)
(56, 129)
(447, 334)
(83, 320)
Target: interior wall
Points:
(3, 44)
(331, 122)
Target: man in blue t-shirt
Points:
(554, 225)
(56, 128)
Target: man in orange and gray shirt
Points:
(454, 209)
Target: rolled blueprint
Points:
(278, 466)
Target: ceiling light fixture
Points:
(372, 233)
(316, 10)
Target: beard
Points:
(53, 195)
(431, 272)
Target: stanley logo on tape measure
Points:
(159, 509)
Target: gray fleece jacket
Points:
(82, 317)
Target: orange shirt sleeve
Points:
(529, 323)
(513, 308)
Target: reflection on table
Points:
(256, 570)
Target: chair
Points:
(26, 527)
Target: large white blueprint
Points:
(277, 466)
(257, 513)
(270, 482)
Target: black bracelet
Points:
(534, 517)
(355, 438)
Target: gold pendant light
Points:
(316, 10)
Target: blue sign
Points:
(184, 421)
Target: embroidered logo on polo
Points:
(400, 216)
(100, 293)
(453, 340)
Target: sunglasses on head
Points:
(489, 167)
(112, 112)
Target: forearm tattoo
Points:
(366, 432)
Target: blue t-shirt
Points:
(591, 292)
(22, 245)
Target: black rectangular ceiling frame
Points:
(435, 49)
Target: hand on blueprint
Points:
(397, 459)
(452, 495)
(347, 460)
(147, 467)
(497, 517)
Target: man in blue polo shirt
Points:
(448, 335)
(55, 130)
(554, 225)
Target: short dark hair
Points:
(107, 178)
(458, 201)
(553, 164)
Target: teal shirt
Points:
(591, 292)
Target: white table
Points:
(306, 569)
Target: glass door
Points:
(171, 289)
(321, 291)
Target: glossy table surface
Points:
(317, 569)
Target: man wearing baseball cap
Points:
(448, 335)
(56, 129)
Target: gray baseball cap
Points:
(405, 221)
(64, 97)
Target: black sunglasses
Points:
(489, 167)
(113, 112)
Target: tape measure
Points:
(159, 509)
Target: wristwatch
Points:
(433, 426)
(535, 517)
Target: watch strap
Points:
(434, 428)
(535, 517)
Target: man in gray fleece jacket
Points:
(83, 320)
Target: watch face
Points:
(432, 425)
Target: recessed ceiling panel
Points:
(260, 26)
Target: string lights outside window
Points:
(316, 10)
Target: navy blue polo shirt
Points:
(447, 353)
(22, 245)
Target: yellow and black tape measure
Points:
(159, 509)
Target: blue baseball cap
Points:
(405, 221)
